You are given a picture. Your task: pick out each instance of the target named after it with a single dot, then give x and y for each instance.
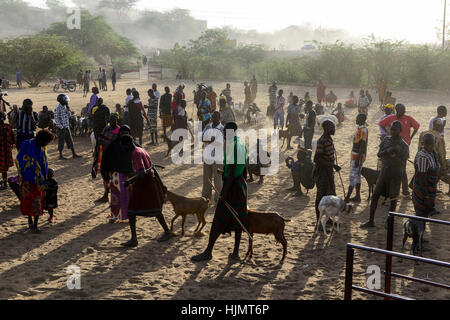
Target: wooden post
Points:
(349, 274)
(389, 246)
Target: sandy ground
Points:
(34, 266)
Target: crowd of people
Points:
(133, 187)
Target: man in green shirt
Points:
(234, 194)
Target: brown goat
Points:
(265, 223)
(284, 134)
(184, 206)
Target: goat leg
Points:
(182, 225)
(173, 220)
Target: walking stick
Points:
(134, 178)
(233, 212)
(339, 172)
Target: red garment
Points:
(408, 122)
(321, 92)
(145, 194)
(6, 144)
(32, 200)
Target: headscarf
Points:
(114, 159)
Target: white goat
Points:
(332, 206)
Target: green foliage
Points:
(212, 56)
(96, 39)
(38, 57)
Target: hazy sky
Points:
(413, 20)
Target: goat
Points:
(284, 134)
(332, 206)
(414, 228)
(371, 177)
(265, 223)
(184, 206)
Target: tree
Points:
(119, 5)
(38, 57)
(102, 44)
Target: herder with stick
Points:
(231, 211)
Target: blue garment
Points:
(32, 163)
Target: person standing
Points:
(204, 110)
(382, 90)
(136, 115)
(100, 118)
(272, 97)
(426, 177)
(227, 94)
(293, 121)
(93, 101)
(310, 123)
(233, 194)
(254, 88)
(100, 79)
(153, 115)
(358, 156)
(407, 122)
(105, 85)
(247, 93)
(165, 110)
(86, 83)
(278, 116)
(6, 144)
(115, 169)
(26, 123)
(388, 109)
(363, 103)
(226, 113)
(212, 97)
(441, 114)
(106, 137)
(439, 142)
(324, 159)
(114, 79)
(32, 166)
(19, 78)
(394, 153)
(63, 126)
(80, 79)
(212, 131)
(13, 116)
(321, 91)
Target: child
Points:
(298, 170)
(51, 195)
(153, 115)
(339, 113)
(255, 168)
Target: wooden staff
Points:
(339, 172)
(134, 178)
(233, 212)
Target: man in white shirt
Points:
(441, 114)
(212, 130)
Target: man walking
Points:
(63, 127)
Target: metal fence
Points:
(349, 287)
